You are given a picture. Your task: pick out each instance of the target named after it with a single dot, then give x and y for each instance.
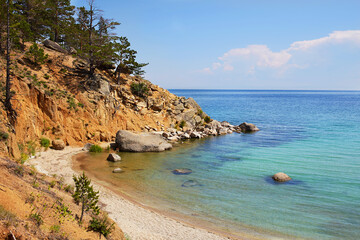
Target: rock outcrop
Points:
(281, 177)
(145, 142)
(54, 46)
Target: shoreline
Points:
(136, 220)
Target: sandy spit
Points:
(135, 221)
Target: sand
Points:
(137, 222)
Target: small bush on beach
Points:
(95, 148)
(44, 142)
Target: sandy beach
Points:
(137, 222)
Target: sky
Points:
(243, 44)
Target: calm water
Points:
(312, 136)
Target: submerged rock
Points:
(113, 157)
(117, 170)
(145, 142)
(191, 183)
(281, 177)
(58, 144)
(248, 127)
(182, 171)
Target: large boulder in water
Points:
(145, 142)
(281, 177)
(248, 127)
(54, 46)
(113, 157)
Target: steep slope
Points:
(59, 100)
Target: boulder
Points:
(58, 144)
(54, 46)
(195, 135)
(113, 157)
(145, 142)
(248, 127)
(72, 50)
(182, 171)
(281, 177)
(117, 170)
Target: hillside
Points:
(58, 100)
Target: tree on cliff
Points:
(8, 94)
(85, 195)
(126, 59)
(59, 17)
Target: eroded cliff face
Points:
(58, 101)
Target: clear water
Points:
(313, 136)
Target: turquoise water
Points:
(313, 136)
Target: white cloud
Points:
(260, 56)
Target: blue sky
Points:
(255, 44)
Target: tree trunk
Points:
(8, 83)
(82, 209)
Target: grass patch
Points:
(44, 142)
(95, 148)
(4, 135)
(207, 119)
(7, 216)
(37, 218)
(55, 228)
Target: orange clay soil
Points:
(24, 192)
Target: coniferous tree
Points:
(59, 17)
(126, 58)
(85, 195)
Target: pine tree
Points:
(59, 18)
(85, 194)
(126, 58)
(8, 106)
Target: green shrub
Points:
(207, 119)
(139, 89)
(19, 170)
(71, 102)
(55, 228)
(101, 225)
(7, 216)
(36, 54)
(95, 148)
(4, 135)
(44, 142)
(37, 218)
(69, 189)
(182, 124)
(46, 76)
(52, 184)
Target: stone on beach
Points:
(113, 157)
(145, 142)
(182, 171)
(281, 177)
(117, 170)
(58, 144)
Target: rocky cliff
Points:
(58, 100)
